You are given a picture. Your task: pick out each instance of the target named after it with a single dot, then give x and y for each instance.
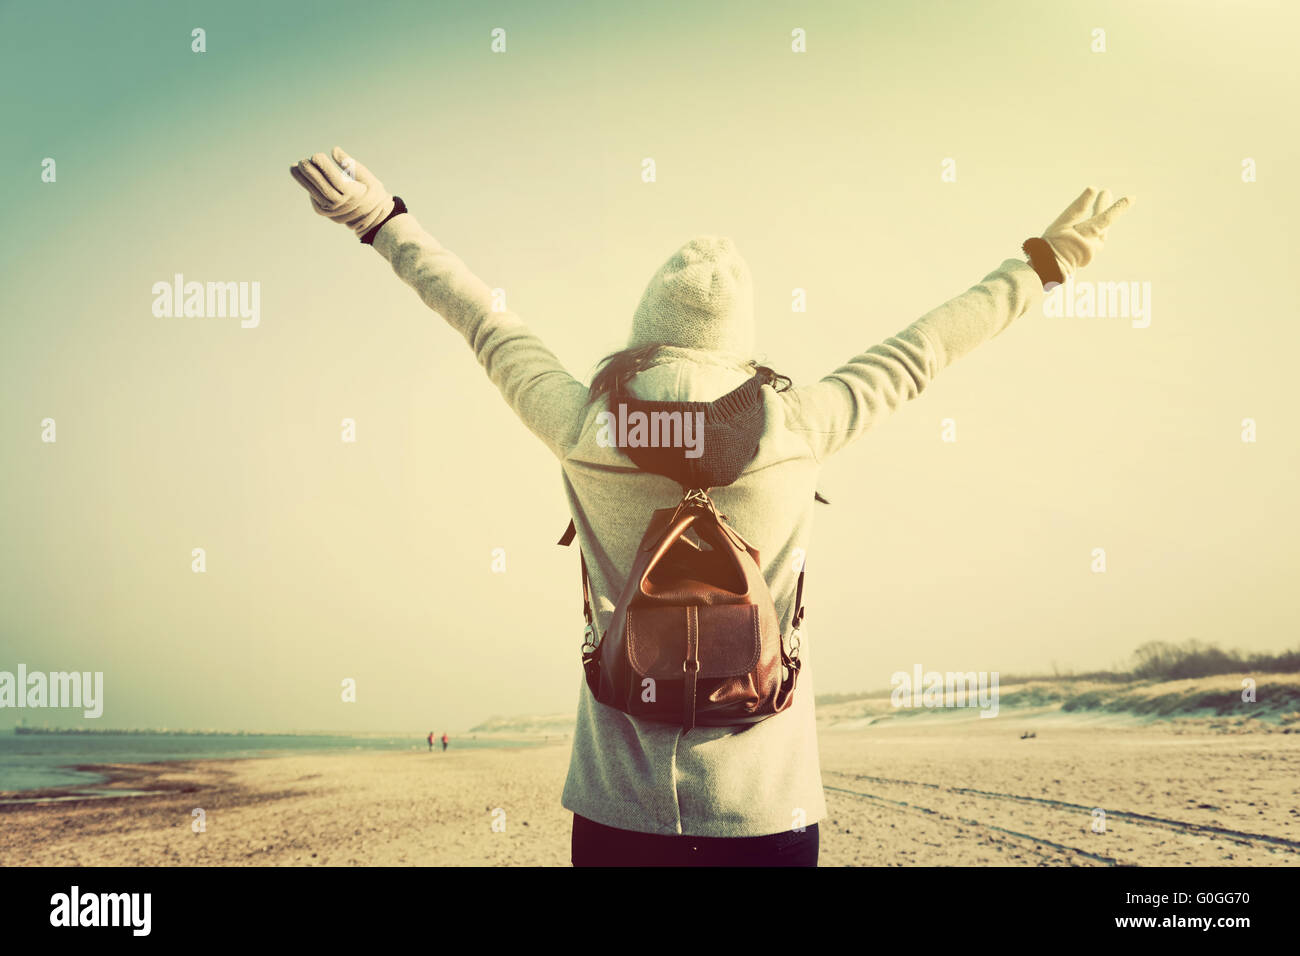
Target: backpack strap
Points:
(798, 602)
(589, 632)
(798, 598)
(792, 658)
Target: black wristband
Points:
(1043, 259)
(399, 207)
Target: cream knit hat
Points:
(701, 298)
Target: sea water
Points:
(32, 761)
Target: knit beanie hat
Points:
(701, 298)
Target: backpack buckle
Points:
(698, 497)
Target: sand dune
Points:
(1202, 704)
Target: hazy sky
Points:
(372, 560)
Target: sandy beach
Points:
(926, 791)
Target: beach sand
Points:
(975, 794)
(916, 792)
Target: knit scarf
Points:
(733, 425)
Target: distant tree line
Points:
(1160, 659)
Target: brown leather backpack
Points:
(695, 637)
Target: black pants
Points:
(597, 845)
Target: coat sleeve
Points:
(548, 400)
(833, 411)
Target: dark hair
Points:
(614, 370)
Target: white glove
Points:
(343, 190)
(1078, 233)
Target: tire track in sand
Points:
(1178, 826)
(946, 817)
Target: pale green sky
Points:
(372, 560)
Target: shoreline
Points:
(96, 772)
(144, 778)
(118, 780)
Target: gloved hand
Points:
(1077, 234)
(344, 190)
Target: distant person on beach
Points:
(431, 741)
(642, 792)
(444, 743)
